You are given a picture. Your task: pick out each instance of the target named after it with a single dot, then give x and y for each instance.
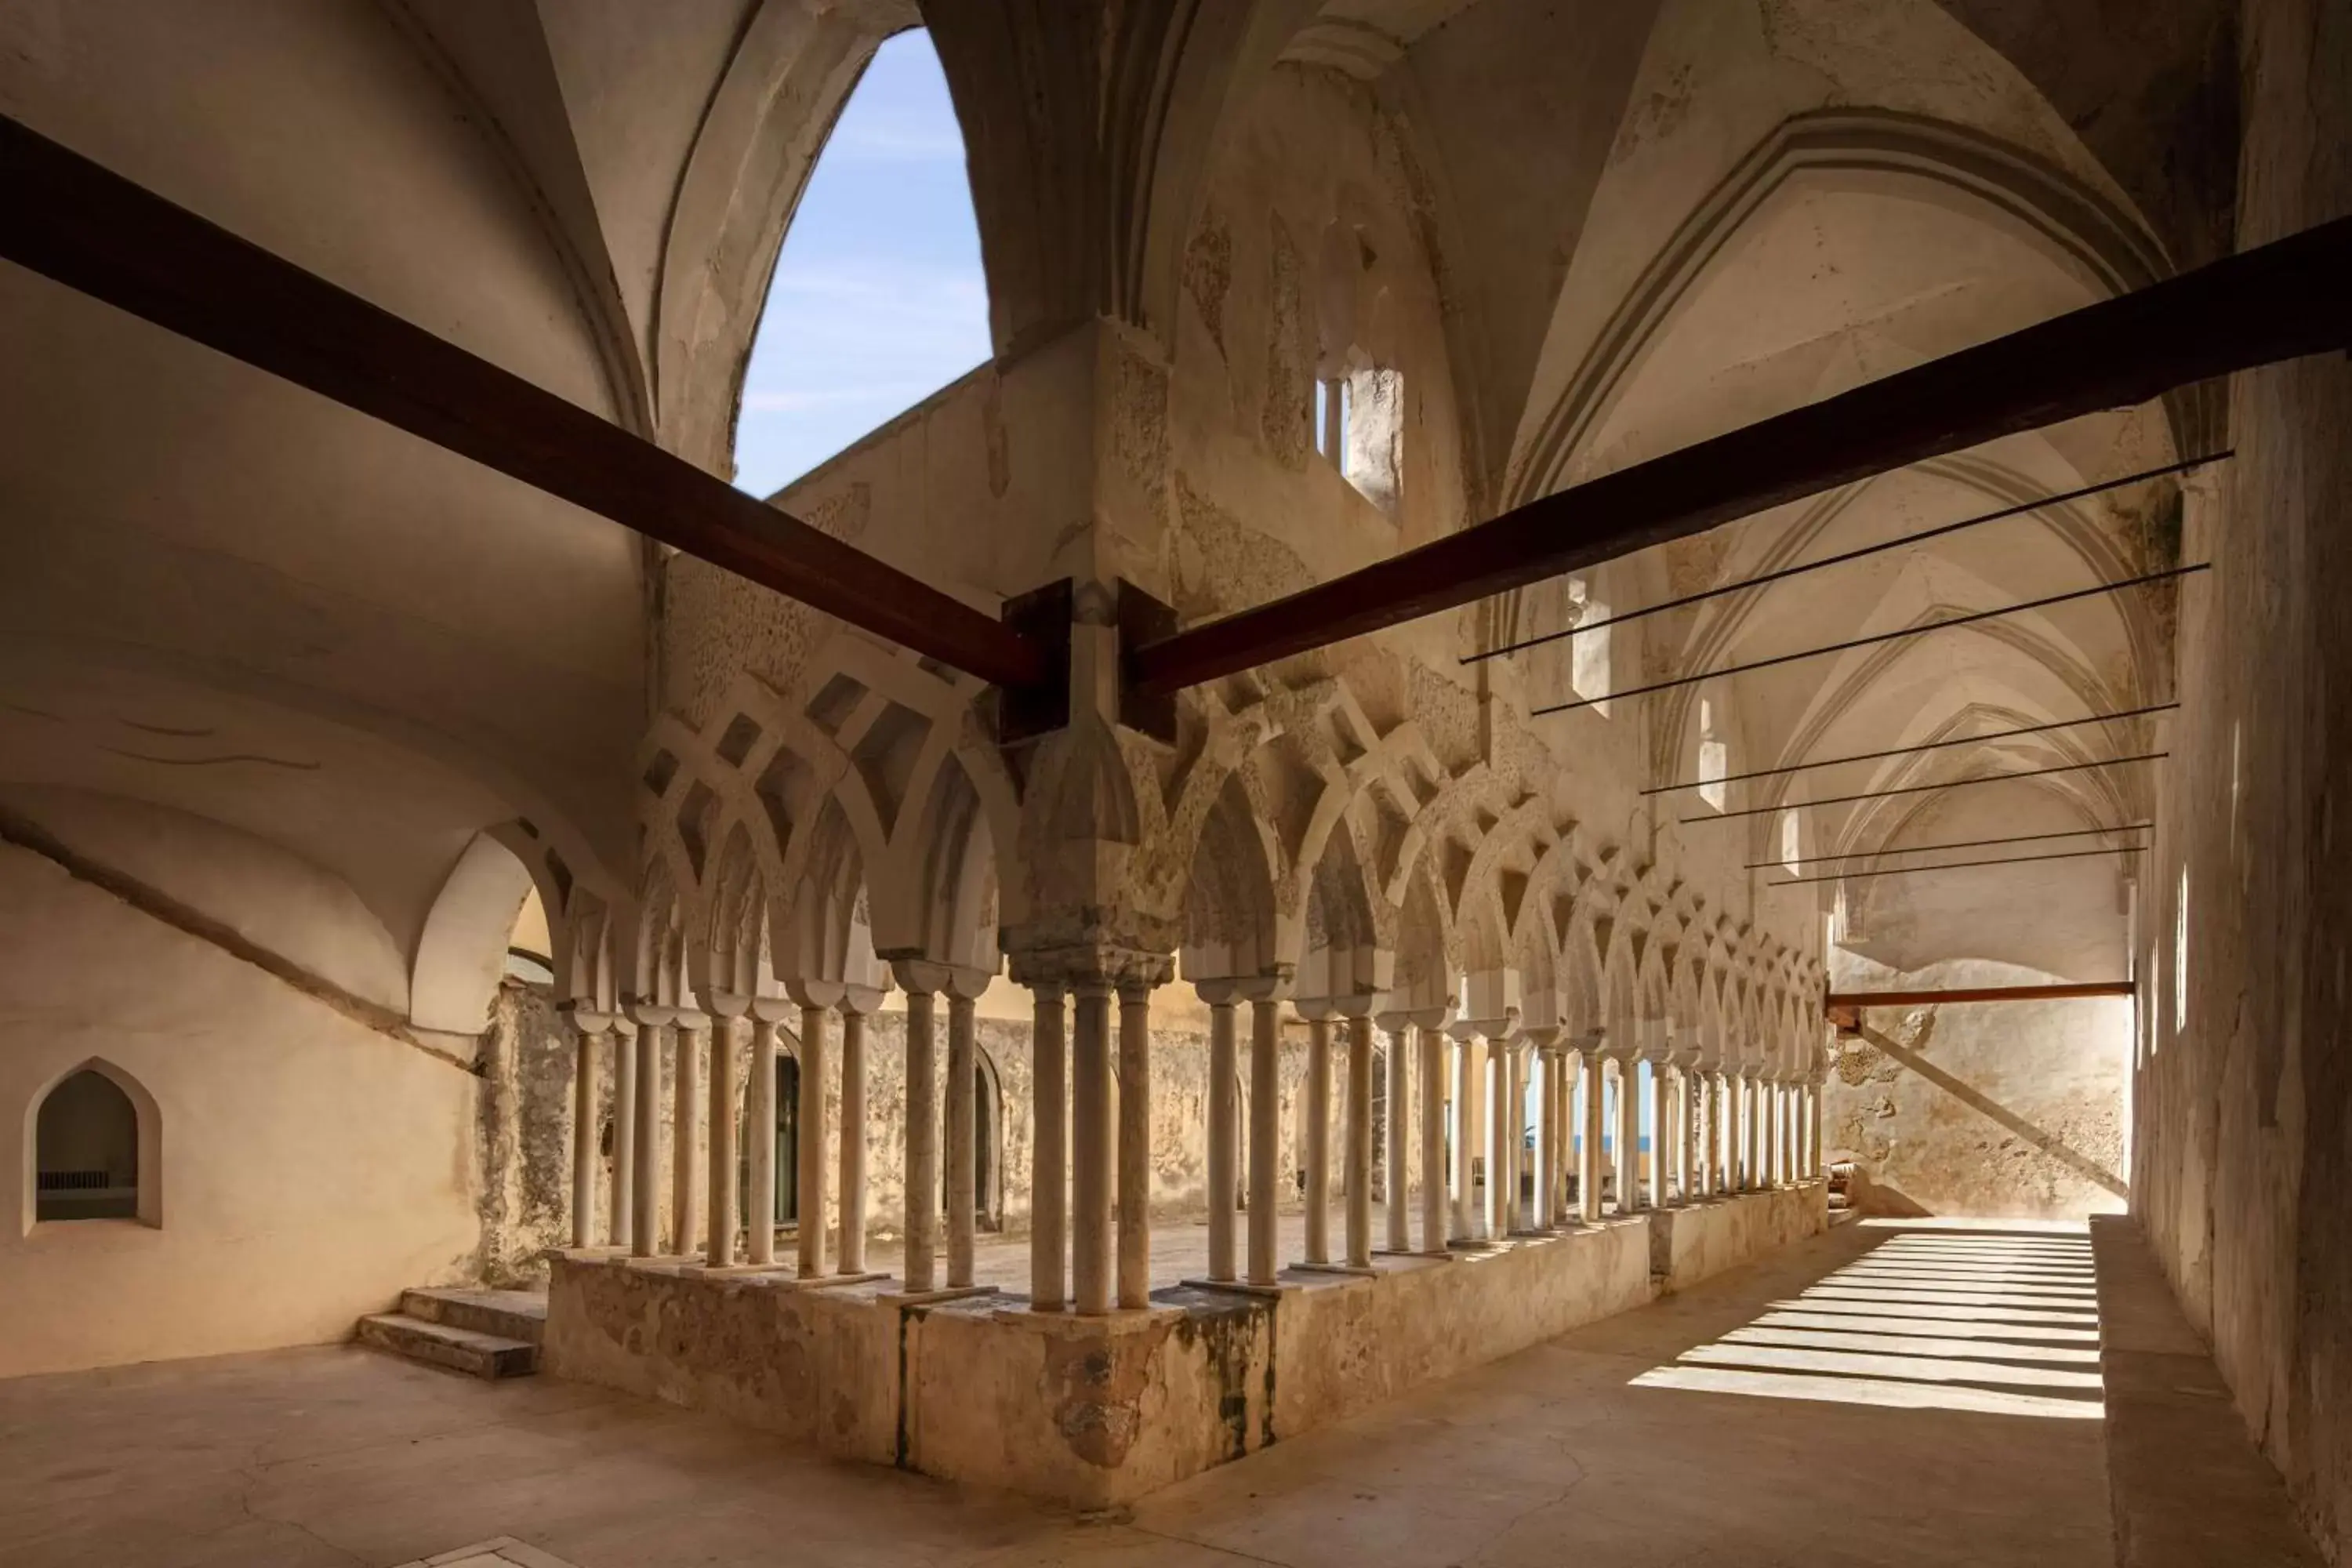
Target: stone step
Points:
(444, 1345)
(508, 1314)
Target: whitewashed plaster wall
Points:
(311, 1167)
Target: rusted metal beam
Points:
(2054, 993)
(81, 225)
(2278, 301)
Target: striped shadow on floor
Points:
(1950, 1316)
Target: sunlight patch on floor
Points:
(1958, 1315)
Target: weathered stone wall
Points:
(1093, 1412)
(524, 1135)
(2245, 1092)
(2014, 1109)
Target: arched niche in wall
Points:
(93, 1149)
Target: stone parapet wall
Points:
(1094, 1412)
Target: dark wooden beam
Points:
(2054, 992)
(80, 225)
(2276, 302)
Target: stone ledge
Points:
(2189, 1490)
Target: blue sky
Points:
(878, 299)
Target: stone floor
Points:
(325, 1457)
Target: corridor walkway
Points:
(1573, 1452)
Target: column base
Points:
(733, 1271)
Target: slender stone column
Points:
(1134, 1146)
(1360, 1141)
(718, 1242)
(1816, 1161)
(1396, 1213)
(1728, 1149)
(1546, 1064)
(1660, 1129)
(621, 1207)
(686, 1132)
(1629, 1133)
(1433, 1207)
(850, 1244)
(808, 1146)
(760, 1131)
(645, 1234)
(1465, 1125)
(1588, 1175)
(1050, 1161)
(1090, 1173)
(922, 1167)
(1501, 1134)
(1224, 1130)
(1266, 1135)
(584, 1131)
(963, 1168)
(1318, 1140)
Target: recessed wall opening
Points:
(95, 1148)
(878, 298)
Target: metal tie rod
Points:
(1907, 751)
(1922, 789)
(1949, 843)
(1852, 643)
(1957, 865)
(2021, 509)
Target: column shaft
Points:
(1545, 1065)
(1588, 1173)
(1360, 1142)
(1628, 1134)
(1090, 1157)
(759, 1144)
(1498, 1127)
(1135, 1147)
(645, 1234)
(1464, 1132)
(622, 1203)
(808, 1147)
(1317, 1140)
(962, 1140)
(719, 1243)
(1396, 1212)
(922, 1186)
(850, 1243)
(1265, 1138)
(584, 1137)
(1661, 1139)
(1224, 1134)
(1432, 1140)
(686, 1139)
(1049, 1194)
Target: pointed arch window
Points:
(878, 299)
(95, 1150)
(1714, 759)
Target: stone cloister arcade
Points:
(966, 1035)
